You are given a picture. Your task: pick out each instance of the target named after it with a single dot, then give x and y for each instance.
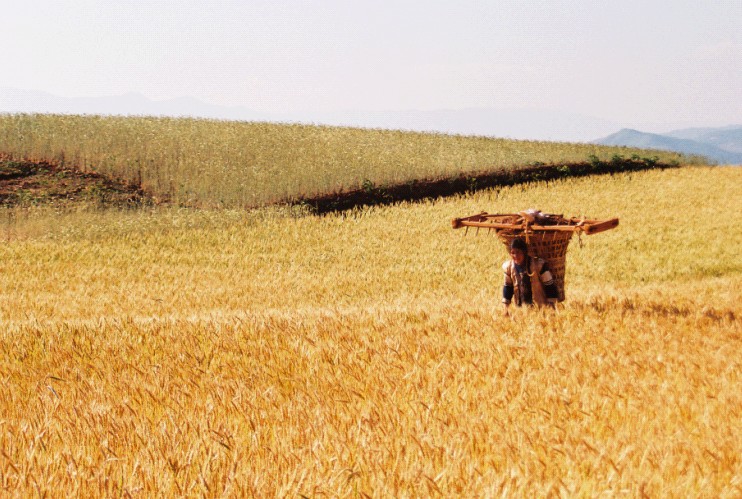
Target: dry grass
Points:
(238, 164)
(225, 353)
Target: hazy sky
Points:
(629, 61)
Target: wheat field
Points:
(212, 163)
(176, 352)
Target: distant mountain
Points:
(723, 145)
(728, 138)
(703, 142)
(525, 124)
(25, 101)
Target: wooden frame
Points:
(490, 221)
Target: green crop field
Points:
(210, 163)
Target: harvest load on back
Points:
(537, 243)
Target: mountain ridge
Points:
(716, 144)
(514, 123)
(719, 144)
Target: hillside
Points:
(723, 146)
(211, 163)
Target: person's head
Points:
(518, 250)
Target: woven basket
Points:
(551, 246)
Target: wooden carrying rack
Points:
(547, 235)
(545, 223)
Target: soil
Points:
(371, 195)
(37, 183)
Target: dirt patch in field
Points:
(416, 190)
(36, 183)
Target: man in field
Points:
(528, 280)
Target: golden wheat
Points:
(178, 352)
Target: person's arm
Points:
(550, 289)
(507, 289)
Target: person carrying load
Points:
(528, 280)
(536, 278)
